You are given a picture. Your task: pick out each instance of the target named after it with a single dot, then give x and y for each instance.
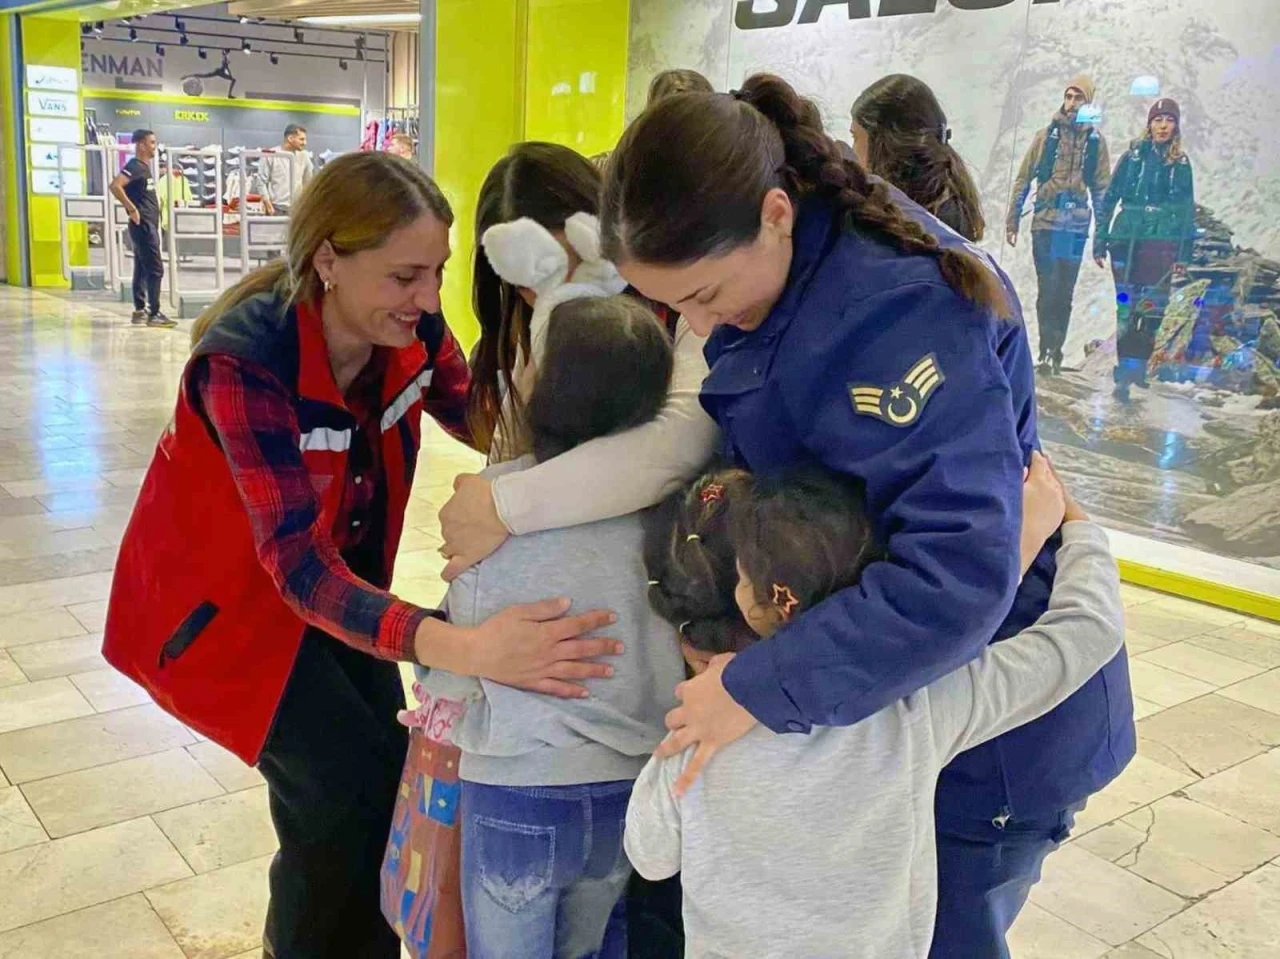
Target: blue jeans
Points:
(982, 886)
(542, 869)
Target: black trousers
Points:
(655, 922)
(148, 266)
(1057, 255)
(332, 764)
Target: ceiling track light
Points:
(133, 35)
(159, 49)
(274, 59)
(342, 64)
(202, 53)
(183, 40)
(246, 46)
(298, 35)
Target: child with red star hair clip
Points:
(824, 844)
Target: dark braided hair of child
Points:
(797, 536)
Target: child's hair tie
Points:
(711, 493)
(681, 628)
(655, 582)
(784, 599)
(693, 538)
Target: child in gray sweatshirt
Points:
(823, 845)
(545, 781)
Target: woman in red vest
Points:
(250, 596)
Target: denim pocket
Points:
(516, 861)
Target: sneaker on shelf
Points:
(160, 320)
(139, 316)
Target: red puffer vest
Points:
(193, 617)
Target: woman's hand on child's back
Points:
(469, 525)
(708, 718)
(1043, 505)
(536, 647)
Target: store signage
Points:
(746, 16)
(42, 104)
(52, 78)
(125, 66)
(55, 131)
(191, 116)
(51, 181)
(127, 112)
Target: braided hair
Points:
(692, 574)
(690, 175)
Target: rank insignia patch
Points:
(902, 403)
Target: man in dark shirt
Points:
(135, 188)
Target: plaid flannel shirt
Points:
(253, 416)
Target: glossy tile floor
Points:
(124, 835)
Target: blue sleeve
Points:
(946, 494)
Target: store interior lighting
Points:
(364, 20)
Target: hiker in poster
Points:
(1150, 239)
(1068, 163)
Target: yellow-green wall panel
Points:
(51, 41)
(576, 73)
(479, 52)
(14, 237)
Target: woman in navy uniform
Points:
(848, 328)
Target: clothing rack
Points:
(380, 128)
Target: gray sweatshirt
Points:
(516, 738)
(823, 845)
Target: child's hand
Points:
(1044, 503)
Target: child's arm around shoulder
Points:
(653, 835)
(1025, 676)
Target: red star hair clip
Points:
(784, 599)
(711, 493)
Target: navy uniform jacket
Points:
(872, 365)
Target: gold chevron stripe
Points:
(929, 383)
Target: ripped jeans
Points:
(542, 870)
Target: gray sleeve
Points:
(652, 838)
(619, 474)
(1025, 676)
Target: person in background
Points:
(829, 838)
(901, 135)
(135, 188)
(286, 172)
(1069, 166)
(401, 145)
(1150, 240)
(262, 618)
(848, 328)
(668, 83)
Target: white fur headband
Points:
(524, 253)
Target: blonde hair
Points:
(1175, 145)
(355, 202)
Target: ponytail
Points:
(814, 164)
(729, 152)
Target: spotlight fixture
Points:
(342, 64)
(246, 46)
(274, 59)
(159, 49)
(99, 27)
(202, 53)
(244, 20)
(183, 40)
(85, 29)
(179, 25)
(133, 35)
(298, 36)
